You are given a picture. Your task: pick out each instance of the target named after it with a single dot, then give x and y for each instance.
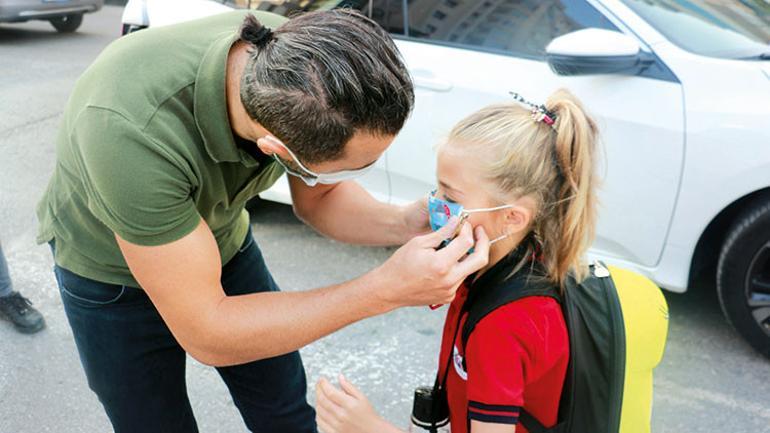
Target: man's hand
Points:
(416, 219)
(418, 274)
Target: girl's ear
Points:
(518, 219)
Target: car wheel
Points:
(743, 276)
(67, 23)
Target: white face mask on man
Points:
(312, 178)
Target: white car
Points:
(681, 89)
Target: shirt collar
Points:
(210, 104)
(501, 272)
(499, 281)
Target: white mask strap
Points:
(488, 209)
(324, 178)
(294, 157)
(499, 238)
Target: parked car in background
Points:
(65, 15)
(680, 88)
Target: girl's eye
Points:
(449, 199)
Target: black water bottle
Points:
(430, 411)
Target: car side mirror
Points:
(596, 51)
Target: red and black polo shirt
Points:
(517, 358)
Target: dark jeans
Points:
(137, 368)
(6, 286)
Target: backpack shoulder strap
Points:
(532, 424)
(490, 298)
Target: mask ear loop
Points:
(490, 209)
(316, 176)
(310, 181)
(296, 160)
(497, 239)
(487, 209)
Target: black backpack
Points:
(592, 397)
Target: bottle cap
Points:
(430, 409)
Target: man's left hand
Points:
(416, 219)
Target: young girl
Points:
(525, 173)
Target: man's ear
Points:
(270, 145)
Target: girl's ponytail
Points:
(575, 201)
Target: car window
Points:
(388, 13)
(518, 27)
(730, 29)
(287, 7)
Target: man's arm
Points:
(182, 279)
(348, 213)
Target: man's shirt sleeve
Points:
(132, 186)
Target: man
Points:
(14, 307)
(164, 139)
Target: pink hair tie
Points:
(539, 112)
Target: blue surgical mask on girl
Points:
(312, 178)
(440, 211)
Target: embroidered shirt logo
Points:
(458, 363)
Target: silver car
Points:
(65, 15)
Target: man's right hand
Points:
(419, 274)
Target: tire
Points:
(743, 276)
(67, 23)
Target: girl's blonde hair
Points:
(552, 164)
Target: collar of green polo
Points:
(210, 104)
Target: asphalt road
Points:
(709, 379)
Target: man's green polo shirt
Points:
(145, 150)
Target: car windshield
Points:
(733, 29)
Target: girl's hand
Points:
(346, 410)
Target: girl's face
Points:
(460, 180)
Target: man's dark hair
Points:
(321, 77)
